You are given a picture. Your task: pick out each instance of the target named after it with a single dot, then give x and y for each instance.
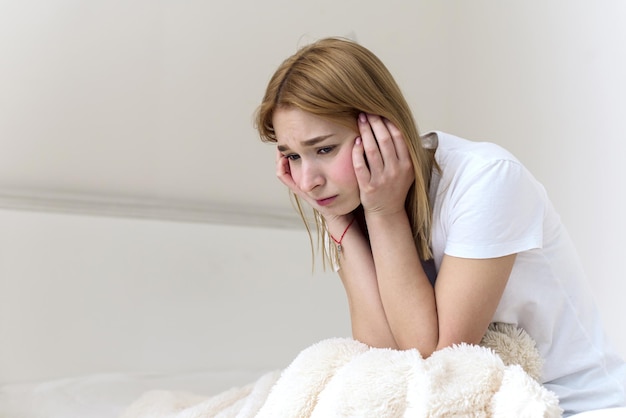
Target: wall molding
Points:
(156, 209)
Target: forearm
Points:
(357, 272)
(407, 296)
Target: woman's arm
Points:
(467, 291)
(407, 296)
(392, 303)
(369, 323)
(357, 272)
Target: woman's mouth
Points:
(327, 201)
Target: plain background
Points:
(143, 110)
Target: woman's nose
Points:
(310, 177)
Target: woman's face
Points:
(319, 152)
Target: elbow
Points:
(426, 347)
(426, 352)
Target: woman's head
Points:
(318, 154)
(337, 79)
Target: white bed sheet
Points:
(107, 395)
(603, 413)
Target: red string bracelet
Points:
(338, 242)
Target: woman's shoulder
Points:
(484, 167)
(454, 149)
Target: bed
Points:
(107, 395)
(117, 307)
(250, 393)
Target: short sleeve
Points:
(495, 211)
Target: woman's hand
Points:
(283, 172)
(383, 165)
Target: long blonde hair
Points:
(338, 79)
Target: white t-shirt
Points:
(487, 204)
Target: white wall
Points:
(154, 98)
(82, 294)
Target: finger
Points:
(400, 146)
(384, 138)
(361, 169)
(283, 171)
(370, 145)
(403, 154)
(282, 165)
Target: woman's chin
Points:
(341, 211)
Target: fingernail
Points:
(362, 117)
(357, 141)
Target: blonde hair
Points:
(338, 79)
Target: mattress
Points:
(107, 395)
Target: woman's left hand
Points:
(382, 165)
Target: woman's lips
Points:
(327, 201)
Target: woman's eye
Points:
(325, 150)
(292, 157)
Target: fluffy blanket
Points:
(342, 377)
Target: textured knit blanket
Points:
(341, 377)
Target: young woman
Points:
(434, 237)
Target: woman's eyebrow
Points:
(307, 142)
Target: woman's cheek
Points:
(346, 171)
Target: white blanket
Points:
(342, 377)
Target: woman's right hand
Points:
(283, 172)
